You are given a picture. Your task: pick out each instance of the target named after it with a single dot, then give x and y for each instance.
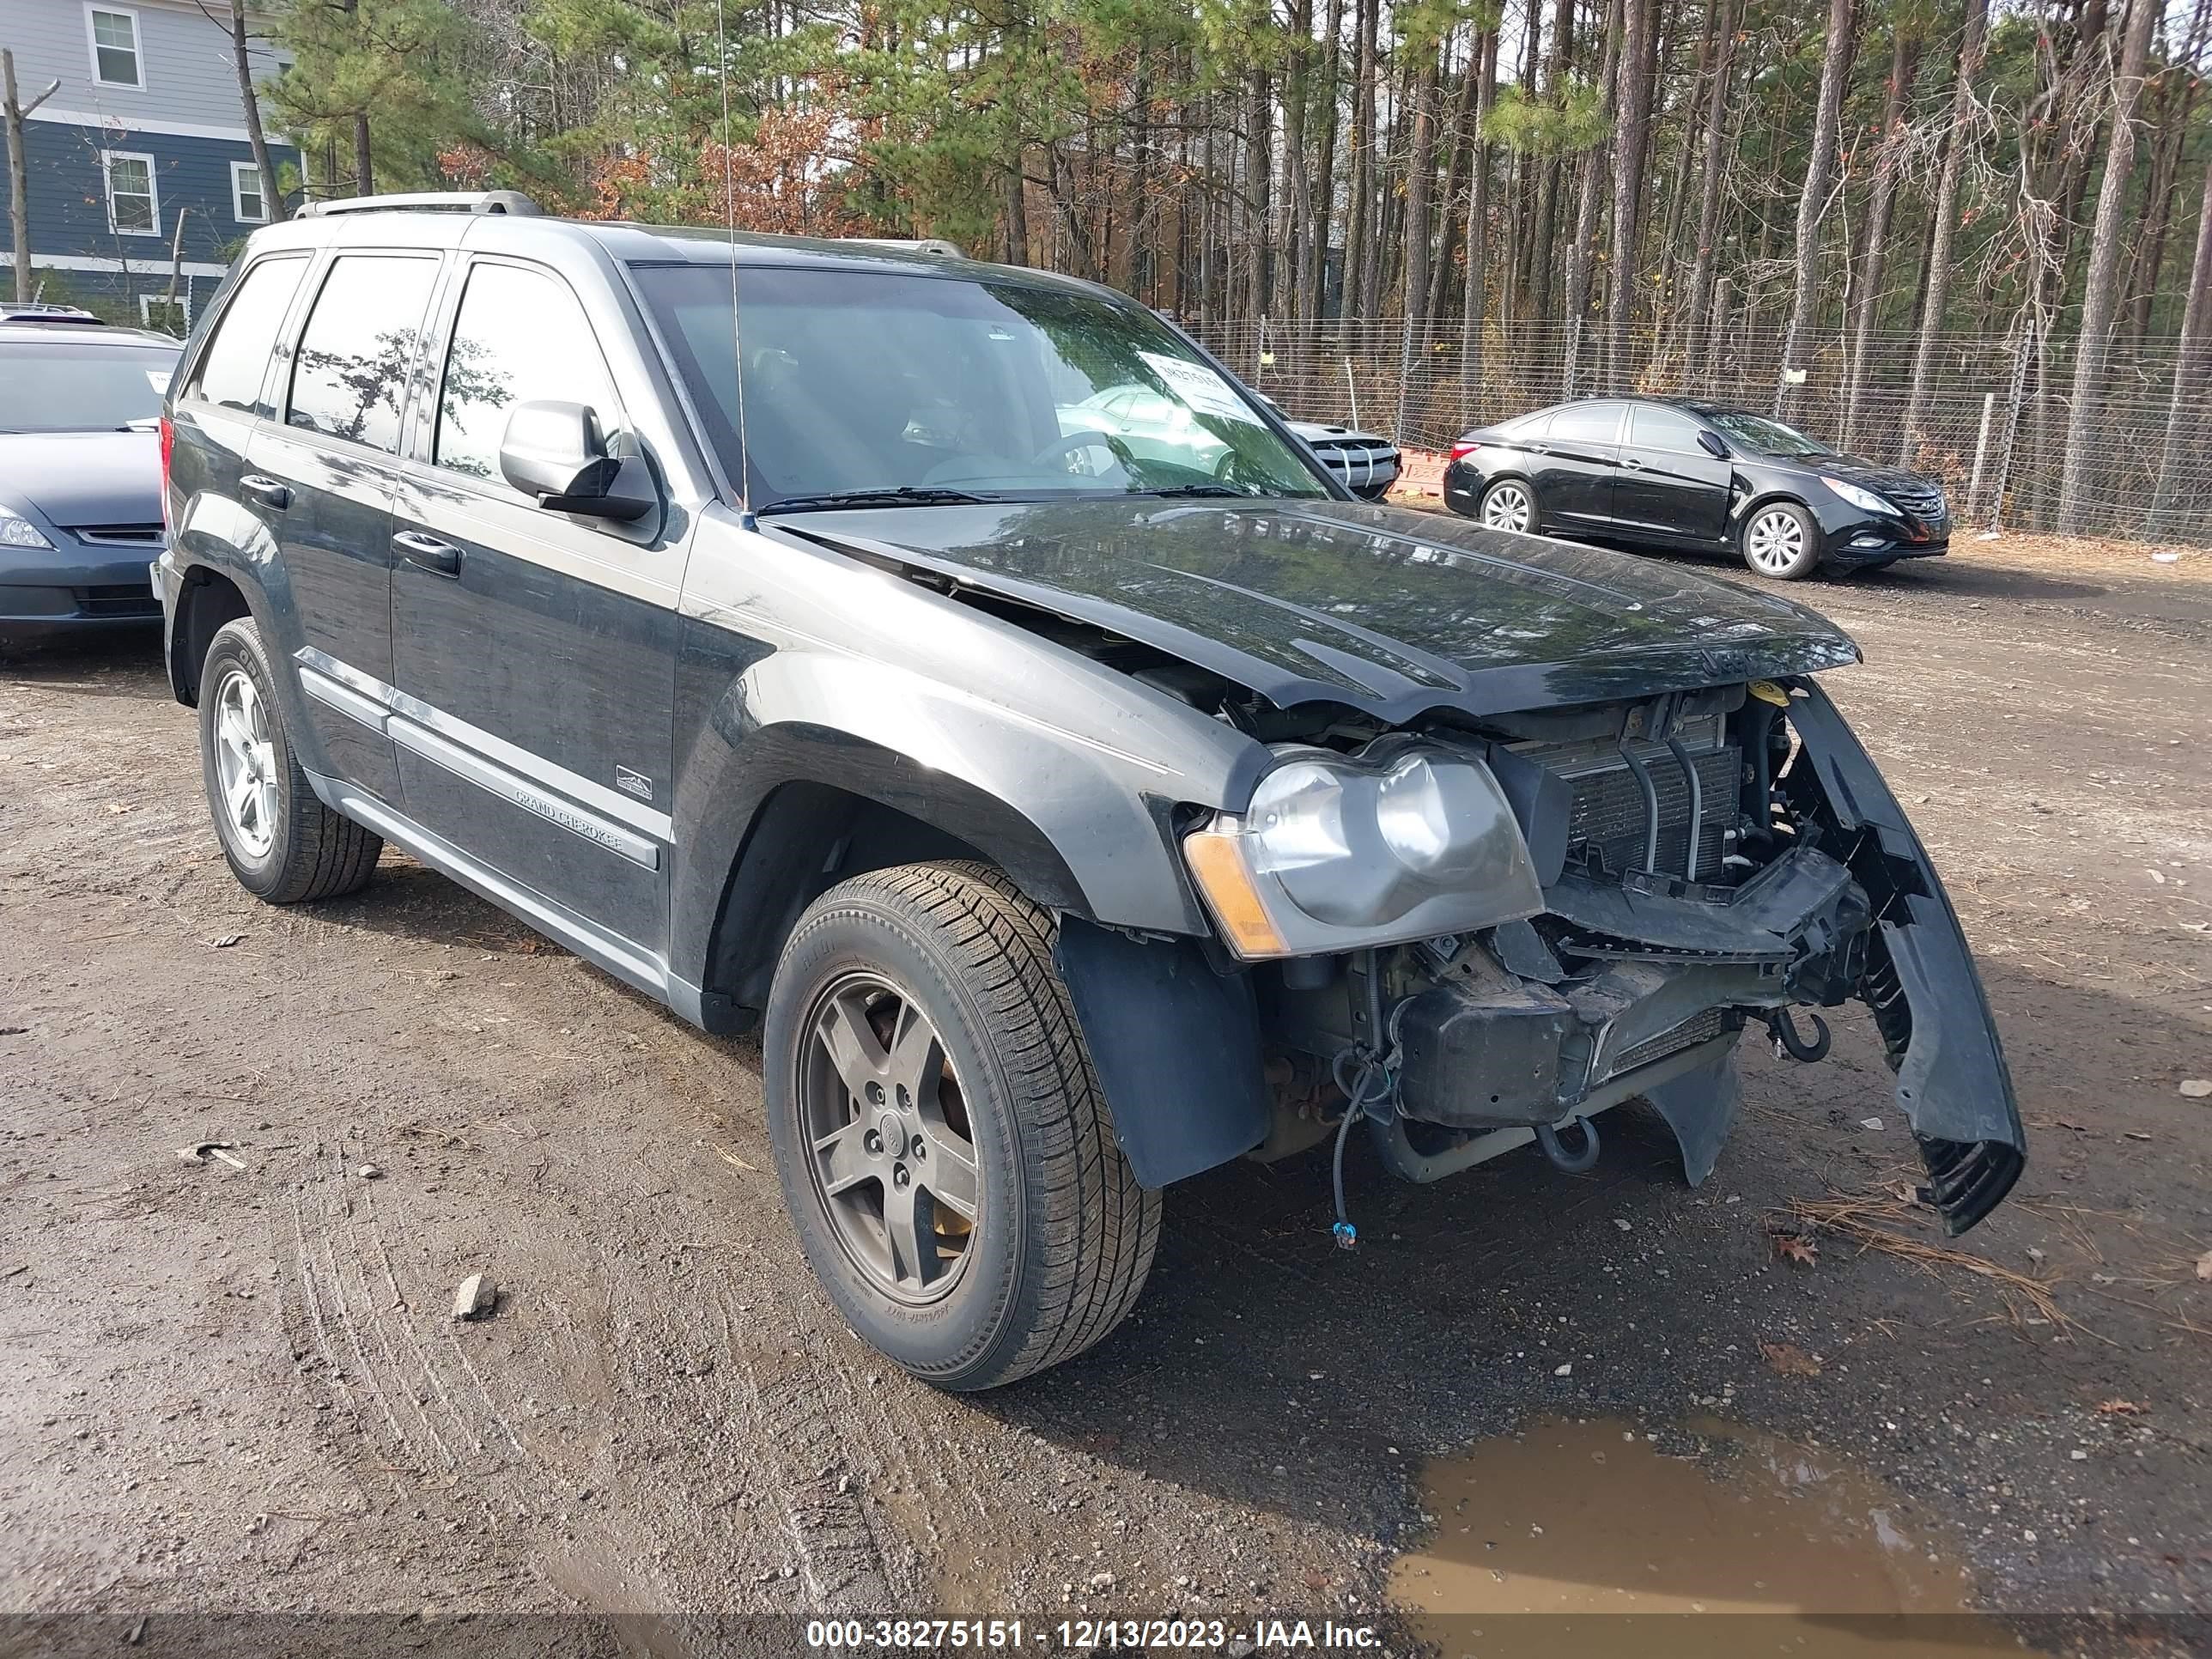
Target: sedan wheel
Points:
(888, 1133)
(1779, 541)
(1509, 506)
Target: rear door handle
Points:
(267, 491)
(1633, 464)
(428, 552)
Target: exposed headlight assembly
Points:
(18, 532)
(1865, 500)
(1406, 842)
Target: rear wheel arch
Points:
(206, 599)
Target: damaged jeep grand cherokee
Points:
(1072, 814)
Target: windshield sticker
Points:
(159, 379)
(1207, 393)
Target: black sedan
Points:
(1672, 473)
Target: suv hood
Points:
(1387, 610)
(74, 478)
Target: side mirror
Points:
(553, 451)
(1713, 444)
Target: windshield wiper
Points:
(1193, 489)
(904, 496)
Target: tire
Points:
(1509, 504)
(284, 844)
(1779, 540)
(1058, 1236)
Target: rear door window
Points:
(521, 337)
(350, 377)
(236, 363)
(1587, 424)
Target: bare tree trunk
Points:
(19, 170)
(1583, 248)
(1462, 143)
(1360, 231)
(1936, 291)
(1323, 209)
(1709, 192)
(272, 199)
(1638, 68)
(1478, 211)
(1290, 261)
(1420, 182)
(1259, 179)
(1904, 63)
(2100, 298)
(1813, 204)
(2184, 421)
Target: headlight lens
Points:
(1334, 854)
(1865, 500)
(20, 532)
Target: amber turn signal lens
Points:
(1217, 864)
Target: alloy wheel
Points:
(246, 763)
(888, 1143)
(1507, 506)
(1775, 543)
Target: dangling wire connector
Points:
(1369, 1082)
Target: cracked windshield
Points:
(927, 389)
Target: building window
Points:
(114, 46)
(169, 316)
(247, 204)
(133, 209)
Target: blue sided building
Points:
(145, 132)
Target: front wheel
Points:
(944, 1147)
(1509, 504)
(1780, 540)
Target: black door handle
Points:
(428, 552)
(267, 491)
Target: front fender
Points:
(1069, 821)
(1952, 1081)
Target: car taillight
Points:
(1460, 452)
(168, 441)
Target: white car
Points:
(1362, 462)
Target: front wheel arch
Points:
(1815, 551)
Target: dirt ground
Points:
(240, 1389)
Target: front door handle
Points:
(267, 491)
(1633, 464)
(428, 552)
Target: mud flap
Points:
(1952, 1083)
(1700, 1108)
(1176, 1046)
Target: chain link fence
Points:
(1997, 408)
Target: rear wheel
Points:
(1780, 540)
(948, 1160)
(282, 843)
(1509, 504)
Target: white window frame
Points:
(108, 159)
(138, 46)
(243, 172)
(183, 303)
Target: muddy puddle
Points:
(1590, 1521)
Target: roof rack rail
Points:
(456, 201)
(936, 245)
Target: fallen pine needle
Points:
(1859, 1219)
